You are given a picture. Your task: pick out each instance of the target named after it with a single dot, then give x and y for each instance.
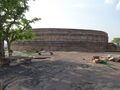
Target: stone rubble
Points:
(98, 59)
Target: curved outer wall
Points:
(55, 39)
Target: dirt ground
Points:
(78, 56)
(63, 71)
(84, 57)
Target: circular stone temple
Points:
(61, 39)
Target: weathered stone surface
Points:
(58, 75)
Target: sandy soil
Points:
(63, 71)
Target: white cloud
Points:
(80, 5)
(48, 11)
(118, 5)
(109, 1)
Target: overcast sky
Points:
(81, 14)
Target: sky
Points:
(101, 15)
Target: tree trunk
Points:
(9, 49)
(2, 52)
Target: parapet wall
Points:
(56, 39)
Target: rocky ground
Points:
(62, 71)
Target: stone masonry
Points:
(60, 39)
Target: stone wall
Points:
(113, 47)
(55, 39)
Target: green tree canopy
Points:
(13, 23)
(116, 41)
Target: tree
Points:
(116, 41)
(13, 23)
(22, 31)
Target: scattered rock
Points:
(45, 53)
(113, 58)
(83, 58)
(95, 59)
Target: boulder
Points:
(95, 59)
